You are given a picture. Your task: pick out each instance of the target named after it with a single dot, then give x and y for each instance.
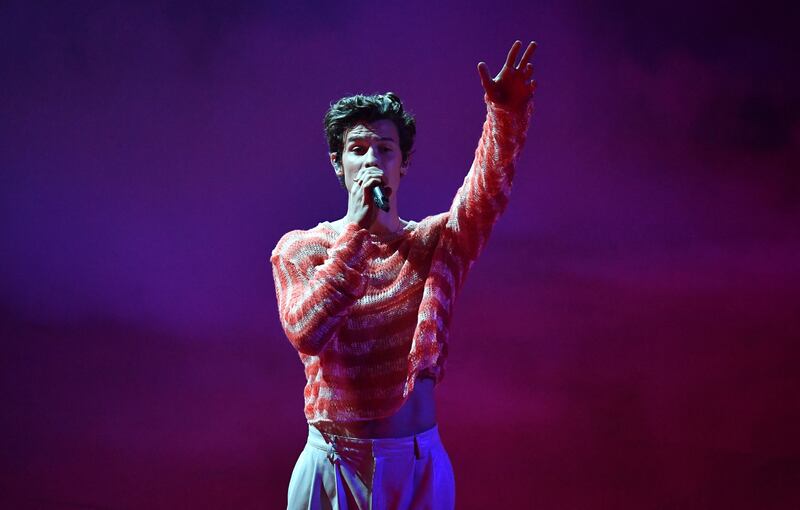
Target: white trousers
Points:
(345, 473)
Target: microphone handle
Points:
(380, 199)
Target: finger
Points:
(526, 57)
(532, 85)
(372, 175)
(512, 54)
(364, 193)
(363, 173)
(486, 79)
(372, 181)
(528, 71)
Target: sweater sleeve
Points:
(483, 196)
(313, 297)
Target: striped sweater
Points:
(369, 314)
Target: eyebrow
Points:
(351, 138)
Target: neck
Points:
(386, 222)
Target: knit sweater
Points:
(369, 314)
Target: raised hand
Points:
(512, 87)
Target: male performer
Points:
(366, 300)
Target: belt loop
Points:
(340, 499)
(417, 453)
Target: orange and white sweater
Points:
(369, 314)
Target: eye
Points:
(387, 148)
(358, 149)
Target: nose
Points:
(372, 157)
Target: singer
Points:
(367, 299)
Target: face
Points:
(372, 144)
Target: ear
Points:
(404, 166)
(336, 166)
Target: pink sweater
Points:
(369, 314)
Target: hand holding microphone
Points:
(366, 196)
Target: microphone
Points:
(380, 199)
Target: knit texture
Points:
(369, 314)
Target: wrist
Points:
(515, 106)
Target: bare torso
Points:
(418, 414)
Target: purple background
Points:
(627, 340)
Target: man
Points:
(367, 299)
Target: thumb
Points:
(486, 79)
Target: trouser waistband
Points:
(416, 444)
(357, 462)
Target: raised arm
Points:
(314, 289)
(484, 194)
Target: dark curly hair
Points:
(349, 111)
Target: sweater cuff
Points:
(524, 109)
(518, 118)
(510, 124)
